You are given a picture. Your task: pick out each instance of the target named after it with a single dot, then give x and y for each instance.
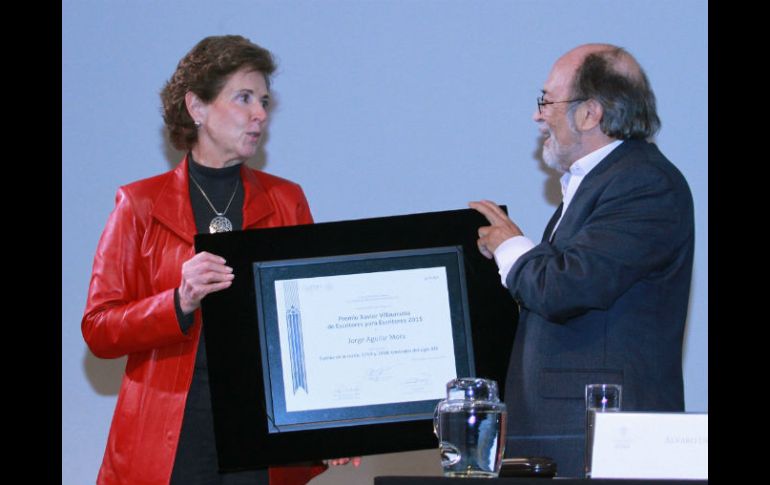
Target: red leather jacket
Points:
(130, 311)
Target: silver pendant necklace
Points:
(219, 223)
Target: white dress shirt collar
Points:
(570, 181)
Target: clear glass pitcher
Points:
(470, 426)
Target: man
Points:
(604, 296)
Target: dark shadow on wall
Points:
(104, 375)
(551, 186)
(172, 155)
(259, 160)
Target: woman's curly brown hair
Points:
(204, 71)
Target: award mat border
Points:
(279, 419)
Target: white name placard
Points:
(651, 445)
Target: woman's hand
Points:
(202, 274)
(356, 461)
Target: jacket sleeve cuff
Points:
(509, 252)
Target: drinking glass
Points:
(600, 398)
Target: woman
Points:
(147, 282)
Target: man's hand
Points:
(501, 228)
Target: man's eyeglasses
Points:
(542, 102)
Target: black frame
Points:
(278, 418)
(231, 328)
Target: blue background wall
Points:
(382, 108)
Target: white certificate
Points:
(365, 339)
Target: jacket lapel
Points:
(592, 181)
(256, 203)
(602, 167)
(179, 217)
(167, 208)
(551, 223)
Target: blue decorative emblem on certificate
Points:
(296, 347)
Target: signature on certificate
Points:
(379, 374)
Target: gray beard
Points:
(551, 158)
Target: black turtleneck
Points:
(218, 184)
(196, 459)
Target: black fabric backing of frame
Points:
(232, 335)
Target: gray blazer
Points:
(604, 302)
